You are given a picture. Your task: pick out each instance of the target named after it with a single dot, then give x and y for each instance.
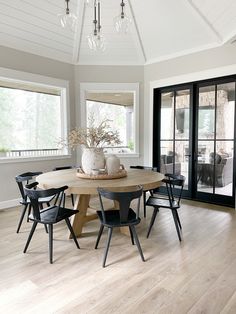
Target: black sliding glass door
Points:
(194, 135)
(215, 142)
(175, 133)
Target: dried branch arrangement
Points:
(92, 136)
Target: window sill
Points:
(6, 160)
(125, 155)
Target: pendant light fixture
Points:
(122, 22)
(96, 40)
(67, 18)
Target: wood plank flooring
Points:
(196, 276)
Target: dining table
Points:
(83, 189)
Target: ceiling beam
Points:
(207, 23)
(78, 32)
(137, 35)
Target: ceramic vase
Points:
(112, 164)
(92, 158)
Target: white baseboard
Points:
(10, 203)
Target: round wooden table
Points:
(84, 188)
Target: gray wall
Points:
(114, 74)
(16, 60)
(202, 61)
(21, 61)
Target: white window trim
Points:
(48, 82)
(116, 88)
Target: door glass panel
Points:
(225, 111)
(182, 114)
(224, 168)
(182, 160)
(167, 157)
(175, 124)
(167, 116)
(205, 166)
(206, 113)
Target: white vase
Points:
(92, 158)
(112, 164)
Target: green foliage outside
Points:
(29, 120)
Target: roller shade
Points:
(30, 87)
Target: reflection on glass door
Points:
(215, 145)
(175, 133)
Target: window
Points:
(31, 120)
(119, 107)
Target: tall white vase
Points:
(92, 158)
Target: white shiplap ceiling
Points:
(160, 29)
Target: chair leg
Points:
(99, 236)
(50, 226)
(72, 200)
(176, 223)
(131, 235)
(72, 232)
(29, 212)
(30, 236)
(107, 247)
(46, 228)
(177, 215)
(21, 218)
(137, 242)
(144, 204)
(154, 214)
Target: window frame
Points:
(114, 88)
(36, 80)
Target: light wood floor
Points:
(196, 276)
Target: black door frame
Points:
(157, 133)
(194, 87)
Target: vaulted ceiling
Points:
(160, 29)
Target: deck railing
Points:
(34, 152)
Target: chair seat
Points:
(164, 203)
(113, 218)
(53, 214)
(40, 200)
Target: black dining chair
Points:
(171, 202)
(22, 180)
(65, 168)
(50, 215)
(124, 216)
(145, 192)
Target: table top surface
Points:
(147, 179)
